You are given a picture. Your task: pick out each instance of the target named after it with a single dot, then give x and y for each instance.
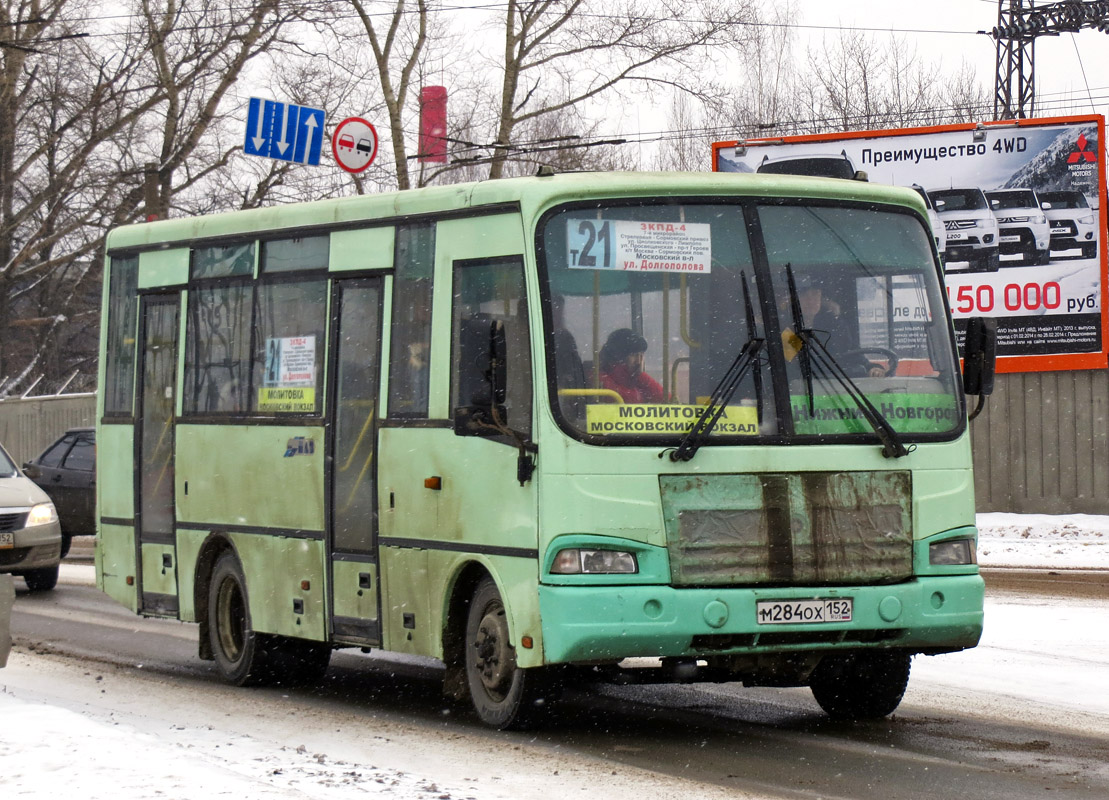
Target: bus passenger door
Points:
(154, 445)
(352, 470)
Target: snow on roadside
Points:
(1043, 541)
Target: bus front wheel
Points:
(856, 686)
(504, 695)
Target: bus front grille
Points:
(814, 528)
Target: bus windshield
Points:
(651, 304)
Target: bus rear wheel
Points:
(239, 651)
(504, 695)
(858, 686)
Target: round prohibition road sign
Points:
(354, 144)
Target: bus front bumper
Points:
(605, 623)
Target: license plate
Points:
(786, 612)
(955, 237)
(1059, 228)
(1009, 239)
(7, 541)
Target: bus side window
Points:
(411, 323)
(487, 292)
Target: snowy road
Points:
(98, 700)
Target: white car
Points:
(1073, 222)
(1024, 230)
(969, 227)
(938, 232)
(30, 534)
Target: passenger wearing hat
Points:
(622, 368)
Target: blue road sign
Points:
(284, 131)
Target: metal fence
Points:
(1041, 445)
(28, 426)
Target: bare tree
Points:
(82, 121)
(560, 54)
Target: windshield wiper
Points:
(892, 446)
(801, 333)
(718, 400)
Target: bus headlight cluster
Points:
(577, 561)
(953, 552)
(42, 514)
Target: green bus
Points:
(578, 427)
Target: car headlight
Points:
(1086, 220)
(952, 552)
(577, 561)
(42, 514)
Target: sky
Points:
(1065, 65)
(49, 719)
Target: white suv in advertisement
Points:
(1024, 228)
(970, 227)
(1073, 222)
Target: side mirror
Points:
(862, 175)
(32, 471)
(980, 356)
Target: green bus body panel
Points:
(189, 544)
(115, 485)
(404, 591)
(351, 599)
(366, 248)
(157, 577)
(164, 268)
(239, 475)
(587, 623)
(274, 567)
(115, 563)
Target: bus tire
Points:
(503, 695)
(858, 686)
(242, 655)
(41, 580)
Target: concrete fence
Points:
(28, 426)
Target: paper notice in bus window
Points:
(647, 419)
(623, 245)
(290, 361)
(287, 400)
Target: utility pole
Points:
(1019, 23)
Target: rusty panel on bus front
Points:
(789, 528)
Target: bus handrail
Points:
(612, 394)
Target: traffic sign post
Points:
(354, 144)
(284, 131)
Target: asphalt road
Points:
(943, 742)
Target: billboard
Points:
(1018, 212)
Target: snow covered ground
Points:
(1042, 541)
(46, 729)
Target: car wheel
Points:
(1089, 250)
(67, 541)
(41, 580)
(857, 686)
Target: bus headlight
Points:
(42, 514)
(952, 552)
(576, 561)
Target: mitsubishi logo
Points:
(1082, 153)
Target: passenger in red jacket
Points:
(622, 368)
